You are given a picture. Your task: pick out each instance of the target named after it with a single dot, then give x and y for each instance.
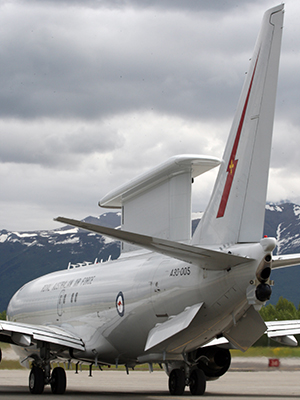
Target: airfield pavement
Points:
(248, 378)
(262, 385)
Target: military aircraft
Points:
(170, 298)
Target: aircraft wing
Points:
(26, 334)
(210, 259)
(174, 325)
(285, 260)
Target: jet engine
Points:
(263, 271)
(263, 290)
(213, 361)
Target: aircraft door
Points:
(158, 289)
(60, 303)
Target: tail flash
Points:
(236, 209)
(232, 164)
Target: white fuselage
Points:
(112, 306)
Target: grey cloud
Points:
(189, 5)
(105, 63)
(57, 144)
(93, 93)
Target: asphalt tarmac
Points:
(262, 385)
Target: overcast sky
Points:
(95, 92)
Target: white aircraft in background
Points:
(177, 300)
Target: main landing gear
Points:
(178, 380)
(39, 377)
(206, 363)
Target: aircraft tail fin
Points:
(235, 213)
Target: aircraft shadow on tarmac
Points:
(22, 392)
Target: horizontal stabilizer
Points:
(286, 260)
(174, 325)
(206, 258)
(26, 334)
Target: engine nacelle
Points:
(214, 361)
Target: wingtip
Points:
(58, 219)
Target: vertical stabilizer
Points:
(236, 209)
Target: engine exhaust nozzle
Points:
(264, 269)
(263, 292)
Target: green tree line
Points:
(283, 310)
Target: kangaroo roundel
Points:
(120, 304)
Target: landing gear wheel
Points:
(58, 381)
(36, 380)
(176, 382)
(197, 382)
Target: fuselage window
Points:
(64, 298)
(72, 297)
(76, 295)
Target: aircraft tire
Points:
(176, 382)
(197, 382)
(36, 380)
(58, 381)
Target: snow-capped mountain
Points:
(27, 255)
(283, 222)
